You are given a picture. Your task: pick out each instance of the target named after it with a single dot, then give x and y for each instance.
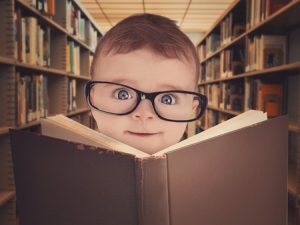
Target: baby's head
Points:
(146, 53)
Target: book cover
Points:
(51, 7)
(237, 171)
(31, 40)
(270, 98)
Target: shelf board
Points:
(78, 111)
(4, 130)
(50, 70)
(278, 69)
(6, 60)
(79, 42)
(294, 126)
(38, 122)
(41, 68)
(81, 77)
(234, 113)
(6, 197)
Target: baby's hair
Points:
(157, 33)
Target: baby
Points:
(144, 82)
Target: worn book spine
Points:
(152, 191)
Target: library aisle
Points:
(248, 51)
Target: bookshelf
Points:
(233, 52)
(34, 75)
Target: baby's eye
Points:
(168, 99)
(122, 94)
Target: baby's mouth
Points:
(141, 134)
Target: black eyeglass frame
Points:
(144, 95)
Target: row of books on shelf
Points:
(259, 10)
(258, 52)
(238, 96)
(228, 63)
(79, 26)
(33, 45)
(33, 100)
(265, 51)
(210, 70)
(231, 27)
(212, 44)
(46, 7)
(265, 96)
(32, 41)
(227, 96)
(73, 57)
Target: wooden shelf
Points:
(29, 125)
(38, 122)
(50, 70)
(76, 112)
(6, 197)
(58, 90)
(4, 130)
(284, 19)
(79, 42)
(294, 126)
(81, 77)
(274, 70)
(6, 60)
(41, 68)
(234, 113)
(280, 20)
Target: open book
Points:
(233, 173)
(62, 127)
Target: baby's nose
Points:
(144, 110)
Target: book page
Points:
(62, 127)
(245, 119)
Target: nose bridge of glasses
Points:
(144, 108)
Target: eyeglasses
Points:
(119, 99)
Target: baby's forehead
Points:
(146, 67)
(150, 55)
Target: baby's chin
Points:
(149, 148)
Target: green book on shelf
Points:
(234, 173)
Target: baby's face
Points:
(146, 71)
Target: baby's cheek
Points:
(174, 132)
